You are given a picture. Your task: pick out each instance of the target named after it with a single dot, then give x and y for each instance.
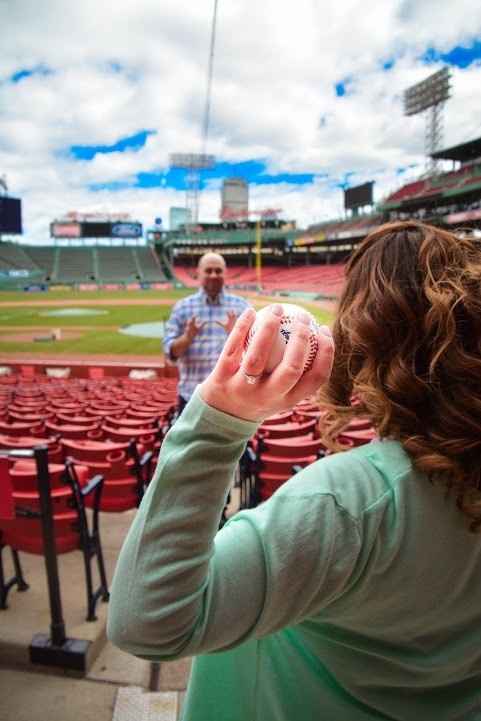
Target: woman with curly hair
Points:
(353, 593)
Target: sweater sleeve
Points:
(180, 588)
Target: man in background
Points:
(199, 326)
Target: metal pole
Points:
(258, 255)
(57, 626)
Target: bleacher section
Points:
(75, 265)
(441, 187)
(325, 280)
(117, 265)
(44, 258)
(14, 257)
(149, 265)
(24, 264)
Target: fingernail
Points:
(325, 330)
(304, 317)
(277, 309)
(248, 312)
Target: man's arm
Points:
(179, 334)
(180, 345)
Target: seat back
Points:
(288, 430)
(7, 506)
(292, 448)
(89, 451)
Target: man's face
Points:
(211, 275)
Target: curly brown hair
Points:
(408, 352)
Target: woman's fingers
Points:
(291, 367)
(229, 359)
(320, 370)
(261, 343)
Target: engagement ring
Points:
(251, 379)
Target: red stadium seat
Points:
(357, 437)
(67, 430)
(22, 531)
(145, 436)
(29, 442)
(125, 473)
(287, 430)
(96, 373)
(16, 428)
(28, 372)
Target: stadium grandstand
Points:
(292, 261)
(312, 260)
(30, 266)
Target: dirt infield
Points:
(89, 302)
(42, 335)
(254, 297)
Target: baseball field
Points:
(77, 324)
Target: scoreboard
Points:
(10, 215)
(95, 229)
(358, 196)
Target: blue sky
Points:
(302, 105)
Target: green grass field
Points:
(99, 332)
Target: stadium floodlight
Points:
(432, 91)
(430, 95)
(193, 163)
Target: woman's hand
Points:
(227, 388)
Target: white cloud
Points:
(275, 69)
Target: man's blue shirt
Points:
(201, 356)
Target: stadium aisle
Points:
(116, 687)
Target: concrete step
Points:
(34, 696)
(133, 704)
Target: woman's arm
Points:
(179, 590)
(162, 575)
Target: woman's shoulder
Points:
(358, 480)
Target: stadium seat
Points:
(7, 515)
(68, 430)
(357, 437)
(28, 372)
(275, 460)
(287, 430)
(145, 436)
(23, 530)
(125, 473)
(150, 423)
(77, 420)
(278, 418)
(96, 373)
(17, 428)
(29, 442)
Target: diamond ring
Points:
(250, 378)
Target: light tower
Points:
(193, 163)
(429, 96)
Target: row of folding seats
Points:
(108, 430)
(286, 442)
(21, 525)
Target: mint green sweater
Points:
(354, 593)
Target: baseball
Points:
(285, 329)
